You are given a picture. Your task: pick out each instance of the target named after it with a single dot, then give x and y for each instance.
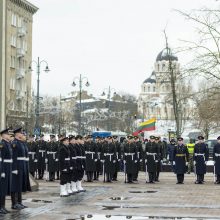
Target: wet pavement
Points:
(163, 200)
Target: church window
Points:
(154, 89)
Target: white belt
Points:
(27, 159)
(74, 158)
(153, 154)
(200, 155)
(217, 155)
(80, 157)
(107, 154)
(67, 158)
(90, 152)
(7, 161)
(138, 154)
(0, 159)
(42, 152)
(32, 153)
(130, 154)
(21, 158)
(52, 152)
(99, 155)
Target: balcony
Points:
(20, 52)
(20, 94)
(20, 73)
(22, 31)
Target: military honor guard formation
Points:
(72, 159)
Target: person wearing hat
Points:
(216, 159)
(180, 160)
(80, 162)
(130, 159)
(41, 156)
(98, 169)
(64, 159)
(32, 152)
(139, 150)
(151, 155)
(108, 159)
(52, 157)
(170, 150)
(200, 157)
(91, 158)
(20, 174)
(6, 167)
(118, 157)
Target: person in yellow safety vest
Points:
(190, 147)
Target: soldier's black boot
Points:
(95, 176)
(20, 201)
(14, 201)
(157, 177)
(58, 175)
(2, 206)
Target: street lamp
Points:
(80, 79)
(109, 94)
(38, 66)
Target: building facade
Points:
(16, 18)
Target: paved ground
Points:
(163, 200)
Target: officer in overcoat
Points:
(118, 156)
(32, 152)
(5, 168)
(151, 153)
(180, 160)
(130, 158)
(98, 146)
(200, 158)
(216, 159)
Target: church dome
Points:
(151, 79)
(167, 55)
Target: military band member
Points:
(80, 161)
(200, 157)
(151, 152)
(91, 158)
(20, 174)
(118, 157)
(216, 159)
(98, 162)
(180, 160)
(108, 159)
(6, 167)
(64, 160)
(130, 158)
(32, 152)
(41, 156)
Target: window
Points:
(13, 40)
(13, 62)
(144, 88)
(13, 19)
(19, 22)
(148, 88)
(12, 84)
(154, 89)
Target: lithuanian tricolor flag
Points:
(148, 125)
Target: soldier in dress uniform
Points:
(151, 153)
(180, 160)
(108, 159)
(130, 158)
(5, 166)
(32, 152)
(80, 162)
(57, 149)
(98, 145)
(52, 157)
(91, 158)
(41, 156)
(20, 174)
(200, 158)
(138, 145)
(118, 156)
(64, 160)
(216, 159)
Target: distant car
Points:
(211, 143)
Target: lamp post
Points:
(109, 95)
(80, 79)
(37, 111)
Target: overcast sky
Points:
(111, 42)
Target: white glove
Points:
(174, 163)
(156, 161)
(114, 161)
(206, 162)
(71, 168)
(141, 160)
(46, 160)
(65, 170)
(124, 161)
(3, 175)
(135, 161)
(56, 160)
(119, 160)
(145, 161)
(35, 160)
(187, 163)
(194, 162)
(15, 172)
(164, 160)
(95, 160)
(102, 161)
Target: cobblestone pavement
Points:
(163, 200)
